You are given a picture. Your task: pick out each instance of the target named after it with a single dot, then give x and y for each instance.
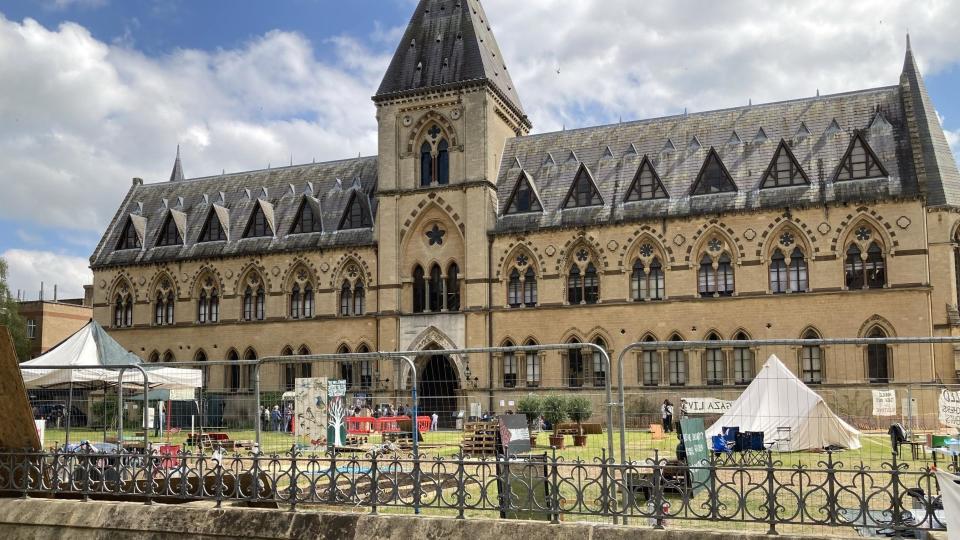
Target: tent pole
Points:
(68, 412)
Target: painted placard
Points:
(336, 414)
(884, 402)
(949, 405)
(696, 406)
(514, 434)
(310, 408)
(698, 455)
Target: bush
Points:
(580, 409)
(555, 410)
(530, 406)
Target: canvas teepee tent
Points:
(777, 400)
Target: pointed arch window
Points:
(129, 239)
(233, 373)
(713, 177)
(574, 286)
(575, 367)
(514, 289)
(295, 302)
(208, 304)
(434, 159)
(714, 363)
(715, 276)
(289, 371)
(169, 234)
(345, 369)
(811, 360)
(212, 229)
(879, 370)
(359, 299)
(860, 162)
(258, 227)
(532, 366)
(253, 304)
(784, 170)
(509, 361)
(779, 281)
(248, 377)
(346, 298)
(530, 288)
(799, 279)
(123, 310)
(583, 192)
(646, 184)
(154, 358)
(453, 287)
(677, 368)
(436, 289)
(865, 270)
(650, 365)
(591, 285)
(305, 368)
(366, 370)
(743, 364)
(524, 198)
(419, 290)
(355, 216)
(599, 366)
(306, 221)
(647, 280)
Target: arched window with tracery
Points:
(123, 308)
(359, 299)
(301, 295)
(677, 368)
(743, 364)
(811, 360)
(715, 275)
(865, 262)
(434, 158)
(514, 289)
(254, 299)
(649, 365)
(583, 280)
(714, 363)
(509, 364)
(647, 279)
(788, 266)
(436, 289)
(532, 366)
(453, 287)
(208, 302)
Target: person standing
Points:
(434, 420)
(275, 418)
(158, 426)
(666, 416)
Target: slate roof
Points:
(283, 189)
(679, 145)
(448, 42)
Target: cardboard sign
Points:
(884, 402)
(695, 406)
(337, 414)
(182, 394)
(514, 434)
(41, 429)
(698, 455)
(949, 405)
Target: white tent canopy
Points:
(776, 401)
(93, 349)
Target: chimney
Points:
(41, 291)
(54, 292)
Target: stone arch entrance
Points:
(438, 387)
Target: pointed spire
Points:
(177, 174)
(936, 169)
(448, 43)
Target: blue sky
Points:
(104, 90)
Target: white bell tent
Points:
(93, 349)
(787, 411)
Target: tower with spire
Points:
(176, 175)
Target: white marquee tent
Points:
(92, 348)
(776, 403)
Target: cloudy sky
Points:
(96, 92)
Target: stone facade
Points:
(470, 136)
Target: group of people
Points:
(277, 419)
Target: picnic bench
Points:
(589, 428)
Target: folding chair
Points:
(722, 449)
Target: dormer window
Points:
(713, 177)
(169, 234)
(258, 227)
(646, 184)
(434, 159)
(129, 239)
(583, 192)
(212, 230)
(355, 216)
(784, 170)
(860, 162)
(524, 198)
(306, 221)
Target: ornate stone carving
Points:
(903, 222)
(550, 251)
(612, 245)
(679, 240)
(824, 228)
(749, 234)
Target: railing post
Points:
(332, 494)
(832, 489)
(148, 454)
(895, 498)
(374, 483)
(461, 488)
(555, 492)
(505, 494)
(771, 496)
(657, 491)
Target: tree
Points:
(580, 409)
(10, 316)
(531, 406)
(555, 410)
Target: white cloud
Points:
(82, 117)
(27, 269)
(953, 137)
(644, 59)
(60, 5)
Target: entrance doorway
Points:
(438, 388)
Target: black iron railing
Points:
(889, 499)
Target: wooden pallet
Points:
(480, 438)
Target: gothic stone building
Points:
(831, 216)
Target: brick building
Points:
(51, 321)
(827, 216)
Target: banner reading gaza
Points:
(693, 406)
(950, 408)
